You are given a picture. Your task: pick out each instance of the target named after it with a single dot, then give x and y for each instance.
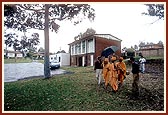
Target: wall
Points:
(65, 59)
(12, 55)
(77, 60)
(19, 55)
(152, 52)
(62, 58)
(101, 44)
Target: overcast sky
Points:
(123, 20)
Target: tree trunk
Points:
(6, 55)
(46, 34)
(15, 55)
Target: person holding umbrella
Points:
(109, 69)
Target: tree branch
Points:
(52, 19)
(35, 10)
(36, 28)
(155, 21)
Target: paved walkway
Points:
(17, 71)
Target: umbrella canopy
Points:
(109, 50)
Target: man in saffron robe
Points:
(114, 79)
(121, 67)
(106, 71)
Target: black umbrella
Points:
(109, 50)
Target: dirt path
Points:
(151, 86)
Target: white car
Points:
(54, 65)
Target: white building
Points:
(11, 54)
(62, 58)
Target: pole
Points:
(46, 34)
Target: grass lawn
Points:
(79, 91)
(23, 60)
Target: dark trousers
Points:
(135, 85)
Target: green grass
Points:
(148, 58)
(71, 92)
(22, 60)
(154, 57)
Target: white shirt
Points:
(142, 60)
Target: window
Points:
(79, 48)
(90, 46)
(83, 46)
(72, 49)
(76, 48)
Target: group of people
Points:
(112, 69)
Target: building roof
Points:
(151, 46)
(9, 51)
(62, 51)
(107, 36)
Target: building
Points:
(62, 58)
(39, 55)
(12, 54)
(83, 52)
(149, 50)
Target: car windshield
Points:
(54, 61)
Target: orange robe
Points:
(106, 71)
(114, 79)
(121, 71)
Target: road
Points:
(17, 71)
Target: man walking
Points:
(135, 71)
(114, 77)
(121, 66)
(142, 61)
(98, 68)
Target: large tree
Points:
(28, 16)
(44, 16)
(88, 32)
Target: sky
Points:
(122, 20)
